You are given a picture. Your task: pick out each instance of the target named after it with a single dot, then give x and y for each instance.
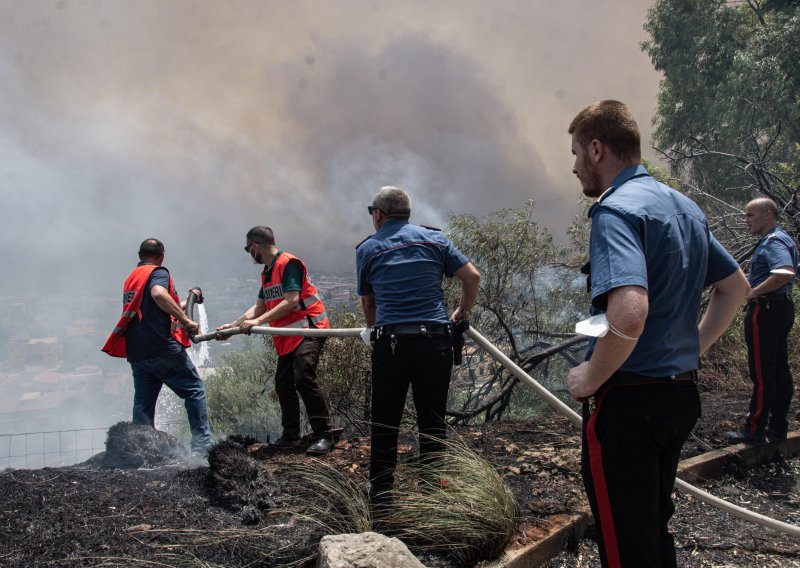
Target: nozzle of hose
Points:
(198, 294)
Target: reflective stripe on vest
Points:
(303, 323)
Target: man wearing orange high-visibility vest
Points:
(152, 335)
(288, 298)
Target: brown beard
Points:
(592, 186)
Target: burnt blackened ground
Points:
(705, 536)
(248, 507)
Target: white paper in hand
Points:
(595, 326)
(365, 336)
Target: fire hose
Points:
(519, 373)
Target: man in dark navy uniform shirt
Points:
(399, 278)
(651, 254)
(767, 323)
(157, 359)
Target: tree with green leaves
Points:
(529, 300)
(728, 114)
(238, 391)
(728, 118)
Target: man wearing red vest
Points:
(287, 298)
(152, 335)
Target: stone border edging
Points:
(702, 467)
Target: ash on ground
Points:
(130, 445)
(247, 507)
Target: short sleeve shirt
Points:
(776, 249)
(403, 266)
(649, 235)
(151, 336)
(292, 276)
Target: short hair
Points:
(150, 248)
(612, 123)
(262, 234)
(393, 201)
(766, 204)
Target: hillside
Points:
(248, 506)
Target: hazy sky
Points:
(193, 121)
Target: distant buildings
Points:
(53, 374)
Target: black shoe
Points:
(320, 447)
(284, 443)
(773, 436)
(740, 437)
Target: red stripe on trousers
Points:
(607, 529)
(759, 374)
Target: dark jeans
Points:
(631, 447)
(179, 373)
(297, 373)
(766, 332)
(425, 363)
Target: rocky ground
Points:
(247, 506)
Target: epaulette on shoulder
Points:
(431, 228)
(362, 242)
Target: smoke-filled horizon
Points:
(192, 122)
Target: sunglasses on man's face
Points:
(372, 209)
(249, 248)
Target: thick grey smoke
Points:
(193, 121)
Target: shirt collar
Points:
(271, 264)
(626, 175)
(634, 171)
(768, 233)
(391, 225)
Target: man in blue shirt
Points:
(768, 320)
(651, 254)
(399, 278)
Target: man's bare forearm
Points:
(772, 283)
(368, 307)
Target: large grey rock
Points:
(365, 550)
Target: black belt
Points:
(624, 378)
(772, 296)
(412, 329)
(765, 299)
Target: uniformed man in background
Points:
(769, 318)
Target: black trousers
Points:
(297, 373)
(766, 332)
(631, 448)
(425, 363)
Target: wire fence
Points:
(56, 448)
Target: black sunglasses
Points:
(372, 209)
(250, 246)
